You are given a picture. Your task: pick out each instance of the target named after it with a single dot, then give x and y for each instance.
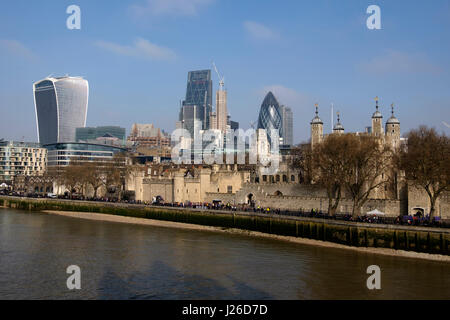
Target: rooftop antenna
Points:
(332, 117)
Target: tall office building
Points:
(288, 125)
(221, 110)
(198, 102)
(270, 116)
(61, 107)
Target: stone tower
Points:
(316, 129)
(393, 130)
(377, 122)
(338, 128)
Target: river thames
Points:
(124, 261)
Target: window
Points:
(230, 189)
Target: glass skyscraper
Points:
(270, 116)
(61, 107)
(198, 102)
(287, 124)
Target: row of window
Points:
(278, 178)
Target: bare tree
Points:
(426, 162)
(70, 177)
(328, 163)
(95, 175)
(366, 163)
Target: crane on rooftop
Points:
(221, 79)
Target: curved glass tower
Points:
(270, 116)
(61, 107)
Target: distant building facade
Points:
(92, 133)
(146, 135)
(61, 154)
(61, 107)
(21, 159)
(198, 102)
(287, 123)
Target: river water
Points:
(123, 261)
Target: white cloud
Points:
(169, 7)
(141, 48)
(16, 48)
(399, 62)
(286, 96)
(259, 31)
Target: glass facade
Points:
(288, 125)
(61, 107)
(270, 116)
(84, 134)
(199, 94)
(60, 154)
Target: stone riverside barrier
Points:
(409, 238)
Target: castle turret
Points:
(393, 130)
(316, 129)
(377, 122)
(338, 128)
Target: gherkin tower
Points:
(270, 116)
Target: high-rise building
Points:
(61, 107)
(198, 102)
(270, 117)
(288, 125)
(221, 110)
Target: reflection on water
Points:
(120, 261)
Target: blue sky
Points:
(136, 55)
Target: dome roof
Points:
(338, 126)
(316, 120)
(377, 114)
(393, 119)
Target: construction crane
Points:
(221, 79)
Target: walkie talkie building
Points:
(61, 107)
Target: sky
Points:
(136, 55)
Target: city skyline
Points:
(318, 53)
